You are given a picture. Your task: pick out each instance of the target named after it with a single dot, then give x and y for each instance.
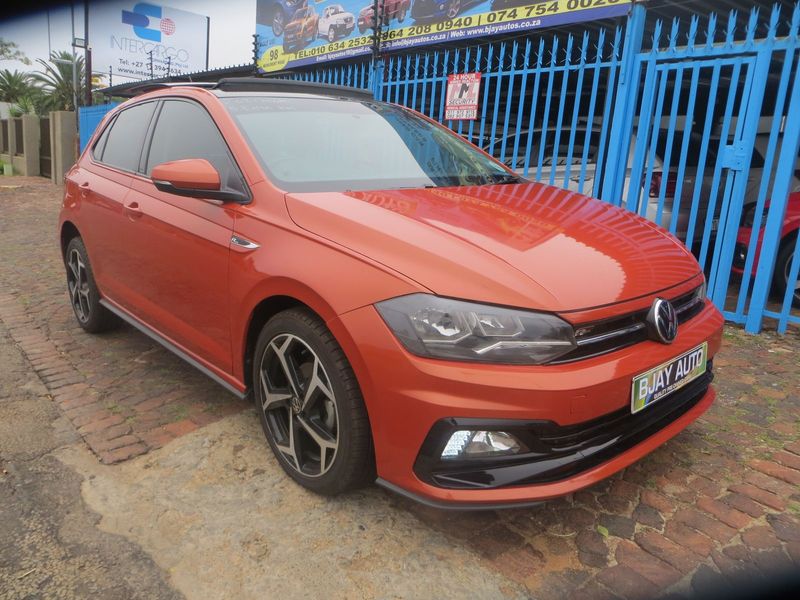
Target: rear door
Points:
(103, 182)
(183, 243)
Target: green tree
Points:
(56, 81)
(14, 86)
(10, 51)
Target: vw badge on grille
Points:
(662, 321)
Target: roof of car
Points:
(262, 84)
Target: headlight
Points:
(452, 329)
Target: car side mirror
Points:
(192, 177)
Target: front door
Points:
(183, 243)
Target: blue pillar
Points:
(624, 107)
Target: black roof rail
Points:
(262, 84)
(149, 87)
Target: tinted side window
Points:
(185, 130)
(123, 146)
(97, 150)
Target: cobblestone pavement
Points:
(716, 506)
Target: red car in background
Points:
(783, 264)
(392, 9)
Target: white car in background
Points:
(335, 23)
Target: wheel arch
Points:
(68, 231)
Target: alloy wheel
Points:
(78, 283)
(299, 405)
(453, 9)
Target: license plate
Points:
(650, 387)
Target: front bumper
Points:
(407, 396)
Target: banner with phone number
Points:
(431, 26)
(328, 30)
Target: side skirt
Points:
(171, 347)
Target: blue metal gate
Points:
(694, 125)
(89, 118)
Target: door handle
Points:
(133, 211)
(85, 187)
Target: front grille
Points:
(554, 452)
(602, 337)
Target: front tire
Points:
(453, 8)
(310, 405)
(331, 34)
(83, 293)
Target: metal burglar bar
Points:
(712, 116)
(545, 103)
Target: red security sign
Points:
(462, 96)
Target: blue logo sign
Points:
(142, 17)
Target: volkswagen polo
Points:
(400, 306)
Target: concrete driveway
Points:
(125, 473)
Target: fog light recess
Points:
(480, 444)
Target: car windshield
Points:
(319, 144)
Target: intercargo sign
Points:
(295, 33)
(125, 35)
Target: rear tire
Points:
(83, 293)
(783, 265)
(310, 405)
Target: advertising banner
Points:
(462, 96)
(441, 21)
(122, 34)
(295, 33)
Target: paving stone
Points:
(743, 503)
(627, 583)
(689, 538)
(706, 524)
(648, 566)
(761, 496)
(647, 515)
(785, 528)
(680, 557)
(760, 536)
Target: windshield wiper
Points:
(505, 178)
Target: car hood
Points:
(527, 245)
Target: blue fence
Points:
(693, 124)
(89, 118)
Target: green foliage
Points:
(14, 86)
(10, 51)
(56, 81)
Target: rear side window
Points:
(97, 151)
(123, 143)
(185, 130)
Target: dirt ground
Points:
(126, 474)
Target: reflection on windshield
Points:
(319, 144)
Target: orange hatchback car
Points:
(400, 306)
